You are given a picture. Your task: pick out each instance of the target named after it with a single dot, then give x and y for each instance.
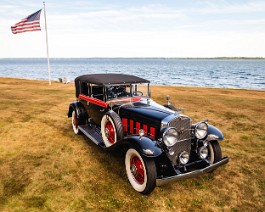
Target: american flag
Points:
(28, 24)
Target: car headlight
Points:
(201, 130)
(203, 152)
(170, 136)
(184, 157)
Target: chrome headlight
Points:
(170, 136)
(201, 130)
(184, 157)
(203, 152)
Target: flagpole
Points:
(47, 46)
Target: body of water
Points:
(223, 73)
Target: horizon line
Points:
(261, 58)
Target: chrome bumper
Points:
(192, 173)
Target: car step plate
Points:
(92, 133)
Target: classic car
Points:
(159, 143)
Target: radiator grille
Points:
(183, 126)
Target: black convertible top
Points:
(108, 79)
(105, 79)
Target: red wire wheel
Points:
(137, 169)
(110, 132)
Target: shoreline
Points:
(152, 85)
(140, 58)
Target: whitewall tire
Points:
(75, 122)
(141, 171)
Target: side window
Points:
(118, 91)
(97, 92)
(84, 89)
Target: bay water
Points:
(222, 73)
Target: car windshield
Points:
(128, 90)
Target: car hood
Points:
(144, 111)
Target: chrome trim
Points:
(148, 152)
(212, 137)
(195, 173)
(165, 121)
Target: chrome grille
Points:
(183, 126)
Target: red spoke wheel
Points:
(141, 171)
(137, 169)
(110, 132)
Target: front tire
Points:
(215, 152)
(141, 171)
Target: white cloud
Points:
(85, 29)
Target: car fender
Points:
(145, 145)
(214, 133)
(80, 111)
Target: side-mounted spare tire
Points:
(111, 128)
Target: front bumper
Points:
(195, 173)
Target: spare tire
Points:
(111, 128)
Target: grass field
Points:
(44, 166)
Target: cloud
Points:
(93, 29)
(232, 7)
(128, 19)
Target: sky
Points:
(139, 28)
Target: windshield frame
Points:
(133, 88)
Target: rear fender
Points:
(145, 145)
(80, 111)
(215, 133)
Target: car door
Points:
(95, 104)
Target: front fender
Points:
(145, 145)
(212, 130)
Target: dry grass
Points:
(44, 166)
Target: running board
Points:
(93, 134)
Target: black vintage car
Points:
(161, 145)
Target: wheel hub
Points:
(133, 170)
(107, 132)
(110, 132)
(137, 170)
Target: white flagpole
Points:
(47, 46)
